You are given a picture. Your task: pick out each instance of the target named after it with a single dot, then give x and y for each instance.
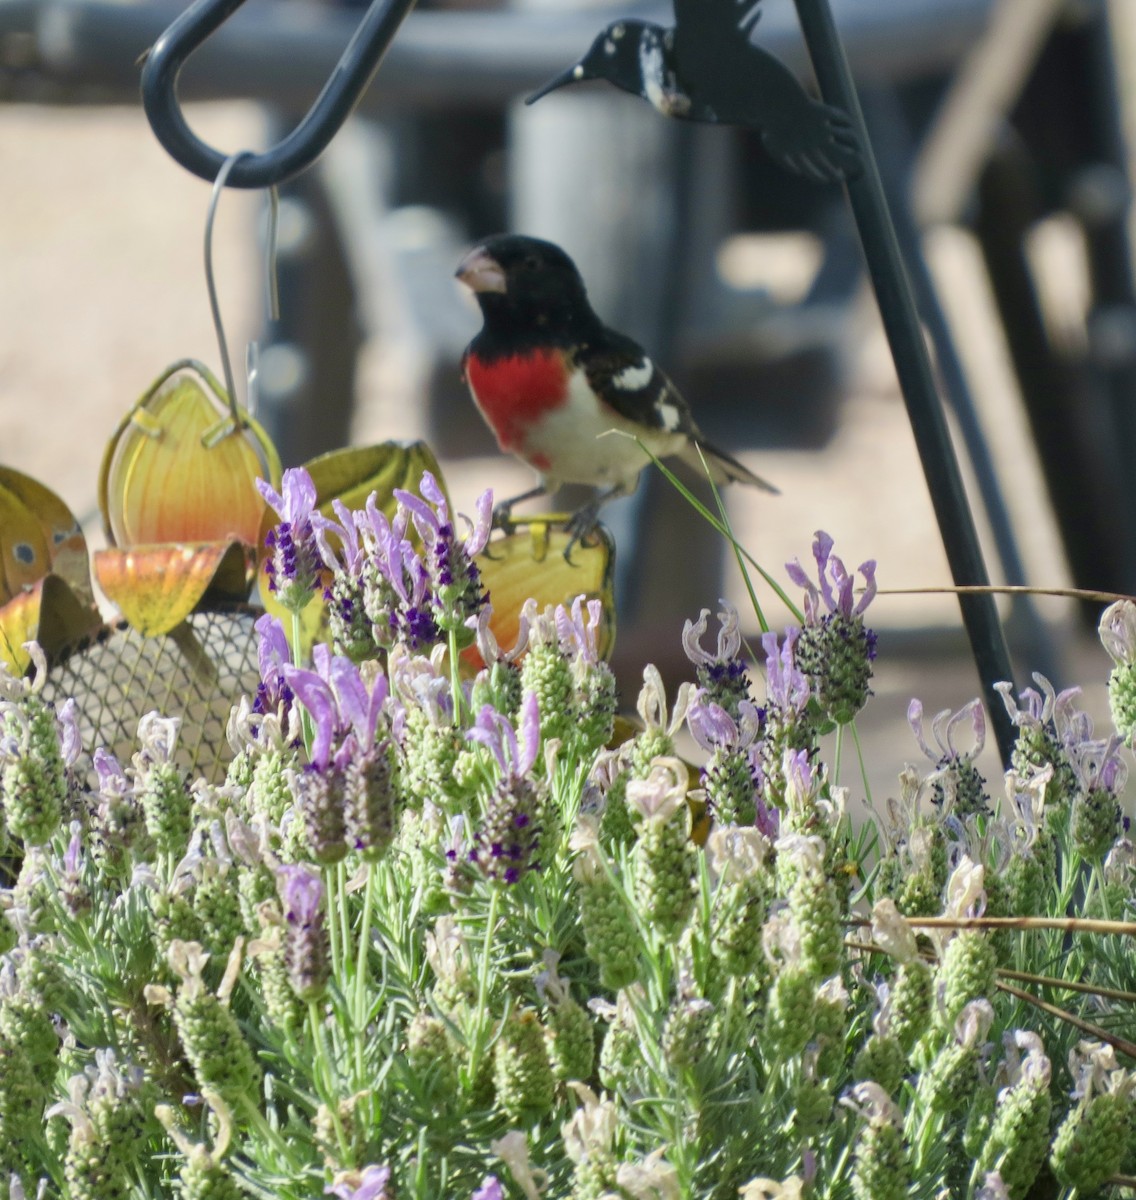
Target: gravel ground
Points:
(102, 286)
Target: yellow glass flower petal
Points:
(178, 469)
(157, 587)
(530, 562)
(66, 545)
(49, 612)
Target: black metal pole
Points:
(913, 367)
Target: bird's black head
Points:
(615, 55)
(529, 283)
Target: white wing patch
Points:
(635, 377)
(670, 417)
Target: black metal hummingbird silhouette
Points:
(705, 68)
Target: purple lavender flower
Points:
(1047, 724)
(722, 673)
(293, 569)
(344, 754)
(786, 687)
(345, 594)
(368, 1184)
(732, 773)
(396, 585)
(836, 649)
(307, 948)
(454, 578)
(490, 1189)
(955, 766)
(273, 654)
(788, 724)
(508, 841)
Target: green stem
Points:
(331, 888)
(298, 661)
(363, 976)
(483, 1018)
(455, 677)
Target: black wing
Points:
(626, 379)
(716, 17)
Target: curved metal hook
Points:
(311, 136)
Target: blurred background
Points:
(1002, 128)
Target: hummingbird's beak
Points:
(481, 272)
(576, 74)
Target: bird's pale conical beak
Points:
(481, 272)
(576, 74)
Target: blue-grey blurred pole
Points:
(913, 367)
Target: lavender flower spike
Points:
(315, 694)
(293, 569)
(490, 1189)
(785, 686)
(368, 1184)
(729, 637)
(301, 893)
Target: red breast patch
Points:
(516, 391)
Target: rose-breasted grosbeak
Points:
(705, 68)
(551, 379)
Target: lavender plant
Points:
(434, 937)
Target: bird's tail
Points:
(723, 467)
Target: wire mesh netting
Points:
(197, 672)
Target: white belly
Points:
(577, 443)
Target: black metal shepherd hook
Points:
(705, 68)
(311, 136)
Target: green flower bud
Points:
(34, 788)
(204, 1175)
(1019, 1130)
(430, 1056)
(881, 1059)
(881, 1166)
(952, 1077)
(830, 1027)
(25, 1021)
(1122, 699)
(730, 792)
(212, 1039)
(812, 1107)
(611, 940)
(621, 1055)
(966, 973)
(1093, 1140)
(285, 1009)
(174, 919)
(836, 657)
(687, 1033)
(791, 1013)
(1095, 823)
(616, 828)
(217, 904)
(665, 858)
(522, 1071)
(813, 906)
(911, 1000)
(547, 672)
(597, 701)
(270, 789)
(571, 1035)
(22, 1097)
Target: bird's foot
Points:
(502, 514)
(580, 527)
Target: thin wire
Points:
(211, 283)
(270, 253)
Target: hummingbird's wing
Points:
(717, 17)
